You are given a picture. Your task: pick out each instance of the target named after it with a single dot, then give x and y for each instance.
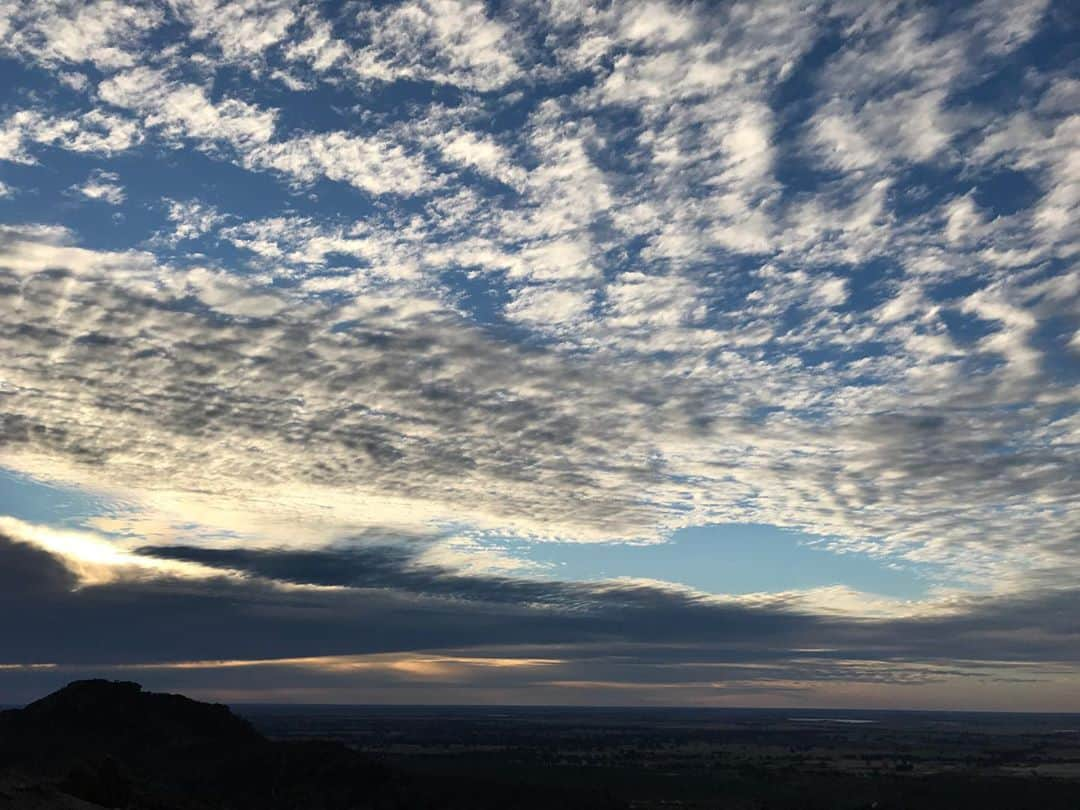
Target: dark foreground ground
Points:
(102, 744)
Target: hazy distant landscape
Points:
(674, 757)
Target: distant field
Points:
(693, 758)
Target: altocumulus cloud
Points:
(372, 287)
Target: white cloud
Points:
(635, 300)
(885, 96)
(103, 186)
(376, 165)
(658, 23)
(907, 301)
(76, 81)
(242, 29)
(192, 219)
(317, 47)
(831, 292)
(962, 219)
(481, 153)
(93, 131)
(106, 33)
(232, 296)
(563, 258)
(912, 127)
(448, 41)
(185, 111)
(549, 307)
(1004, 25)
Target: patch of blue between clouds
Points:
(733, 558)
(33, 501)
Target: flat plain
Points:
(738, 758)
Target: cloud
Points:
(103, 186)
(388, 407)
(87, 559)
(185, 111)
(483, 154)
(400, 431)
(192, 219)
(30, 569)
(390, 624)
(105, 33)
(548, 306)
(640, 301)
(1042, 141)
(92, 132)
(317, 46)
(446, 41)
(371, 164)
(241, 30)
(591, 272)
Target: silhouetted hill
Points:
(120, 715)
(112, 744)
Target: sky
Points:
(522, 352)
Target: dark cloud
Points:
(385, 607)
(390, 604)
(28, 571)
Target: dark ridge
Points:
(112, 744)
(120, 713)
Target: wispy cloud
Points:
(103, 186)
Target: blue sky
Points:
(733, 558)
(601, 311)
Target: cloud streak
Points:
(422, 633)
